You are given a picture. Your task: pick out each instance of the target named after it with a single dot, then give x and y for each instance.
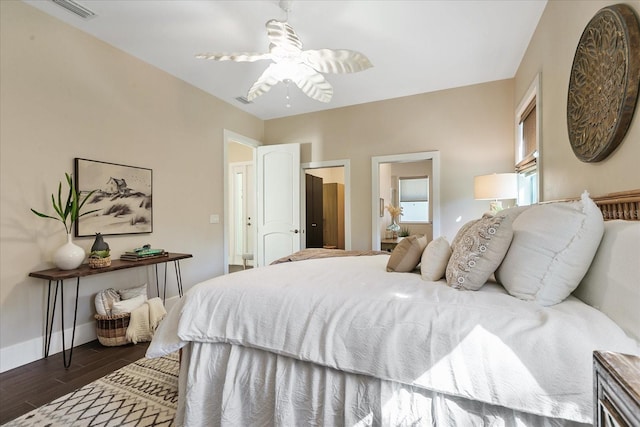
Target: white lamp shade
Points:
(497, 186)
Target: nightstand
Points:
(616, 380)
(389, 244)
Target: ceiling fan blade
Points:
(313, 84)
(283, 36)
(337, 61)
(264, 83)
(237, 57)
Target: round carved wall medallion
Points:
(604, 82)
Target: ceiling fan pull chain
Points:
(288, 98)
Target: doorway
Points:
(333, 214)
(230, 140)
(276, 227)
(324, 208)
(239, 201)
(390, 169)
(241, 213)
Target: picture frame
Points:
(123, 194)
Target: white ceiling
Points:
(415, 46)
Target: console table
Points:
(59, 276)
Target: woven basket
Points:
(100, 262)
(112, 330)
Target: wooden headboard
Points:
(622, 205)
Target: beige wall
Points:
(472, 127)
(328, 175)
(66, 95)
(239, 153)
(551, 53)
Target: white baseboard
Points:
(33, 349)
(29, 351)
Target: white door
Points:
(278, 201)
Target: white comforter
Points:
(351, 315)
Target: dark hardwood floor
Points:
(30, 386)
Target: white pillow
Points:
(552, 248)
(434, 259)
(128, 305)
(611, 284)
(133, 292)
(478, 250)
(104, 301)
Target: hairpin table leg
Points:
(67, 364)
(176, 266)
(48, 329)
(157, 281)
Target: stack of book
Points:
(142, 254)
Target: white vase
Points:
(69, 255)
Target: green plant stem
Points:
(70, 210)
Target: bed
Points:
(358, 341)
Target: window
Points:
(414, 199)
(528, 145)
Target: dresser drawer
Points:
(616, 389)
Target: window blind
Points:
(414, 189)
(528, 123)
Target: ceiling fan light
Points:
(287, 70)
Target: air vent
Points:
(75, 8)
(243, 100)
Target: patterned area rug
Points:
(144, 393)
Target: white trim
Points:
(31, 350)
(346, 163)
(375, 189)
(232, 137)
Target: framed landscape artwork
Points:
(123, 195)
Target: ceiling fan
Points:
(292, 64)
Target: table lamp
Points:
(496, 187)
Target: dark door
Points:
(314, 211)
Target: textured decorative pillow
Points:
(128, 305)
(434, 259)
(104, 301)
(478, 250)
(552, 248)
(406, 255)
(133, 292)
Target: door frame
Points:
(228, 138)
(231, 208)
(434, 198)
(346, 164)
